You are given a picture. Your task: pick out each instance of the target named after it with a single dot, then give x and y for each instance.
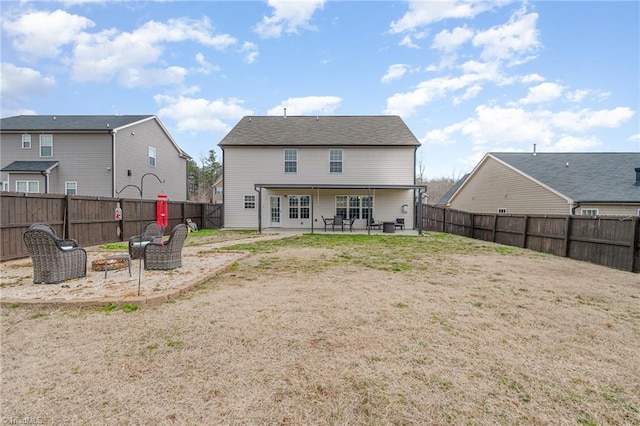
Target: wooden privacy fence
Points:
(612, 241)
(90, 220)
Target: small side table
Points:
(124, 258)
(388, 227)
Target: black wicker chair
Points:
(167, 254)
(152, 233)
(54, 261)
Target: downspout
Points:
(46, 181)
(113, 163)
(259, 207)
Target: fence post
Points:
(495, 225)
(471, 231)
(635, 229)
(444, 220)
(567, 239)
(524, 231)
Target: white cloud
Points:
(422, 13)
(19, 81)
(43, 34)
(573, 144)
(470, 93)
(307, 105)
(250, 50)
(288, 16)
(544, 92)
(449, 41)
(205, 67)
(586, 119)
(199, 114)
(149, 77)
(532, 78)
(510, 42)
(108, 54)
(394, 72)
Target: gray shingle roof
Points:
(30, 166)
(582, 177)
(447, 195)
(68, 122)
(381, 130)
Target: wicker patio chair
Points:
(151, 233)
(167, 254)
(66, 242)
(54, 262)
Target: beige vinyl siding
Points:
(246, 166)
(132, 153)
(494, 186)
(611, 209)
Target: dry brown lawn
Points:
(344, 330)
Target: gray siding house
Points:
(291, 171)
(595, 184)
(95, 155)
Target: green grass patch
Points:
(115, 246)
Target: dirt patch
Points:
(307, 335)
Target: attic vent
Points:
(637, 176)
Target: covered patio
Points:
(357, 204)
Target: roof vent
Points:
(534, 149)
(637, 176)
(107, 124)
(285, 113)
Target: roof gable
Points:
(581, 177)
(320, 131)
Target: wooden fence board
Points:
(610, 241)
(90, 220)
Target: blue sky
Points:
(467, 77)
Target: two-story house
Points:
(291, 171)
(593, 184)
(95, 155)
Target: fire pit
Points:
(111, 263)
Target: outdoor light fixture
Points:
(405, 208)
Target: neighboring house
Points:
(291, 171)
(216, 191)
(94, 155)
(595, 184)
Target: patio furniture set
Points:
(57, 259)
(339, 221)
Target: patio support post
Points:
(259, 209)
(312, 216)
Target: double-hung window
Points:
(71, 188)
(27, 186)
(354, 206)
(46, 145)
(299, 206)
(290, 160)
(589, 212)
(335, 161)
(26, 141)
(152, 156)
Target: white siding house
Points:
(93, 155)
(292, 171)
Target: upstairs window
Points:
(335, 161)
(46, 145)
(290, 160)
(152, 156)
(26, 141)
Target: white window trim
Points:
(248, 200)
(26, 138)
(299, 207)
(5, 187)
(153, 153)
(284, 163)
(28, 184)
(335, 161)
(361, 205)
(586, 212)
(41, 146)
(66, 188)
